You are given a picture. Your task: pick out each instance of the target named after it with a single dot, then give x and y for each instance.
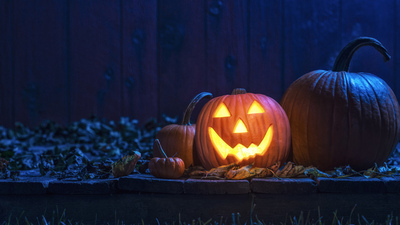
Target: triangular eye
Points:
(255, 108)
(222, 111)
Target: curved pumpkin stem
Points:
(238, 91)
(192, 104)
(159, 148)
(342, 62)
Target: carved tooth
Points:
(240, 151)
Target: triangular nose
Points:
(240, 127)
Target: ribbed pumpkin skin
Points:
(257, 125)
(170, 168)
(177, 140)
(342, 118)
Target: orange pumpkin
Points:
(167, 167)
(177, 139)
(341, 118)
(242, 128)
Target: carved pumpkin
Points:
(178, 139)
(340, 118)
(166, 167)
(242, 128)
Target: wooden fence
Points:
(64, 60)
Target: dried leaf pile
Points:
(84, 149)
(288, 170)
(91, 148)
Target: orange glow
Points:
(240, 151)
(240, 127)
(255, 108)
(222, 111)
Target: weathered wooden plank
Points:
(139, 59)
(374, 19)
(265, 55)
(311, 38)
(182, 56)
(39, 45)
(227, 46)
(396, 58)
(6, 68)
(95, 49)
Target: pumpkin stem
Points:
(342, 62)
(158, 146)
(238, 91)
(192, 104)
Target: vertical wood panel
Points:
(139, 70)
(396, 56)
(265, 53)
(119, 66)
(40, 61)
(6, 70)
(227, 46)
(312, 37)
(95, 49)
(182, 59)
(374, 19)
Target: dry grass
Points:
(303, 219)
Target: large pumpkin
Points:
(242, 128)
(340, 118)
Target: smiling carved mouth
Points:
(240, 151)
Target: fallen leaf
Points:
(314, 172)
(246, 172)
(3, 163)
(383, 171)
(290, 170)
(221, 171)
(126, 165)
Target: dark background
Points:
(65, 60)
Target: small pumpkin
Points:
(341, 118)
(178, 139)
(242, 128)
(167, 167)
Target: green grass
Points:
(303, 219)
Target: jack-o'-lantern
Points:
(242, 128)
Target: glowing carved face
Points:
(243, 128)
(240, 131)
